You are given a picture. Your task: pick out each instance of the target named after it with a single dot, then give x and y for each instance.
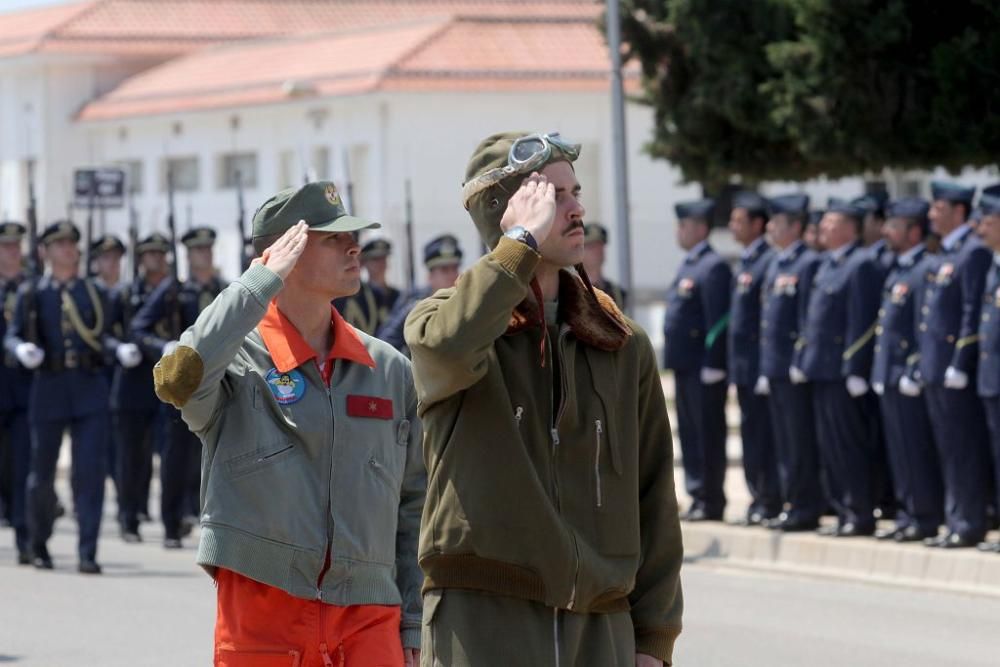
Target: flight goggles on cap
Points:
(526, 154)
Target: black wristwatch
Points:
(521, 234)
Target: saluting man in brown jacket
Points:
(550, 533)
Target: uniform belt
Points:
(73, 360)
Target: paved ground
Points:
(156, 608)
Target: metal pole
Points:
(624, 241)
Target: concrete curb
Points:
(858, 559)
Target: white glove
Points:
(796, 375)
(955, 379)
(30, 355)
(878, 388)
(763, 386)
(856, 386)
(908, 387)
(128, 355)
(712, 375)
(169, 347)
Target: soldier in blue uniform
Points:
(988, 377)
(443, 260)
(61, 330)
(15, 385)
(747, 222)
(168, 311)
(784, 299)
(369, 309)
(694, 331)
(106, 252)
(834, 352)
(912, 456)
(595, 242)
(136, 413)
(948, 340)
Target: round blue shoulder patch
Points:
(287, 387)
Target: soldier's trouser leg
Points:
(759, 465)
(992, 409)
(467, 629)
(46, 439)
(894, 428)
(178, 449)
(911, 447)
(133, 431)
(19, 444)
(797, 452)
(689, 410)
(845, 443)
(962, 443)
(713, 438)
(89, 437)
(6, 473)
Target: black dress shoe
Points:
(702, 514)
(24, 558)
(131, 536)
(914, 534)
(890, 534)
(956, 541)
(798, 525)
(41, 559)
(854, 530)
(172, 543)
(989, 547)
(88, 567)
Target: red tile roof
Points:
(171, 27)
(22, 32)
(450, 54)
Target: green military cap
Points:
(155, 242)
(59, 230)
(318, 203)
(103, 244)
(11, 232)
(198, 237)
(595, 232)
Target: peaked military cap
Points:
(11, 231)
(908, 207)
(376, 249)
(815, 217)
(319, 204)
(989, 204)
(788, 204)
(106, 243)
(442, 251)
(848, 208)
(751, 201)
(198, 237)
(700, 209)
(595, 232)
(952, 192)
(59, 230)
(155, 242)
(874, 202)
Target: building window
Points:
(231, 165)
(133, 175)
(184, 171)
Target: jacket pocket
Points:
(260, 458)
(403, 433)
(257, 657)
(384, 474)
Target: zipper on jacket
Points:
(518, 414)
(328, 555)
(557, 417)
(555, 634)
(597, 460)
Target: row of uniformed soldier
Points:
(78, 356)
(867, 378)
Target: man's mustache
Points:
(573, 227)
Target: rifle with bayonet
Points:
(34, 261)
(246, 247)
(175, 297)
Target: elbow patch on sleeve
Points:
(178, 375)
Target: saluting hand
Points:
(533, 207)
(285, 252)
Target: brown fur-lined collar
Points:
(595, 322)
